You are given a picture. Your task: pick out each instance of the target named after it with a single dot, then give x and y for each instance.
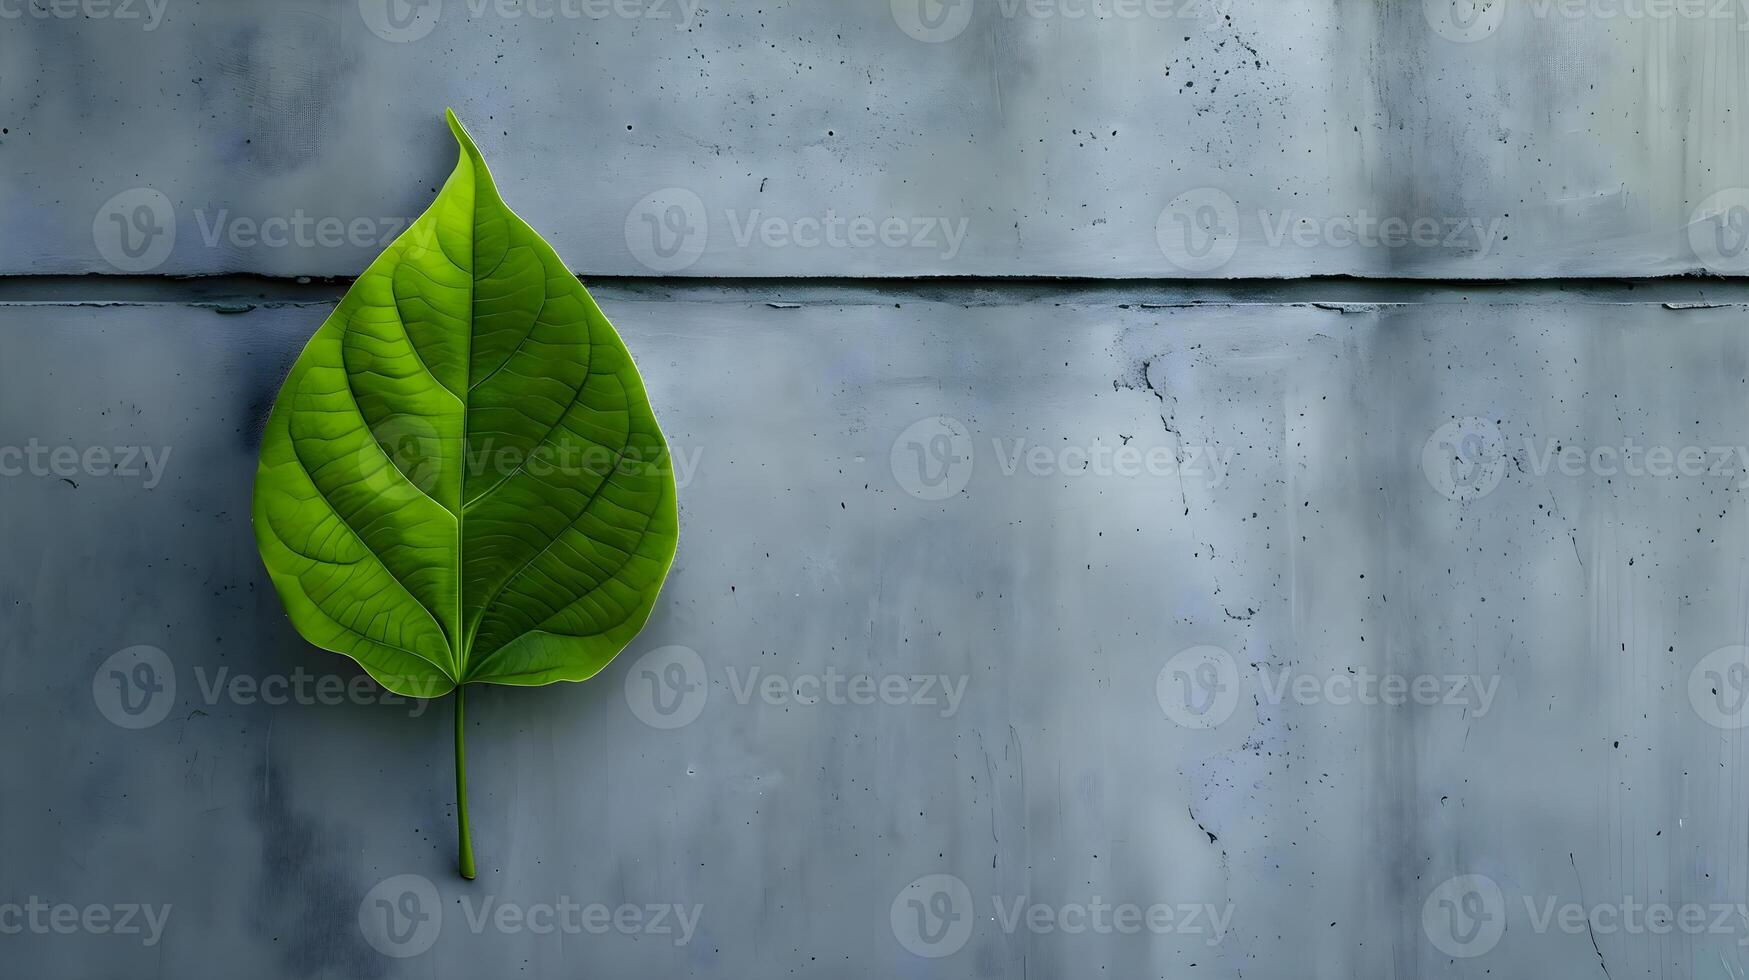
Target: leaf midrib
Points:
(463, 639)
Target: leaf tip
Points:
(470, 154)
(460, 131)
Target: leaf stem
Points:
(461, 791)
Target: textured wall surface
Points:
(1283, 519)
(1224, 624)
(1101, 138)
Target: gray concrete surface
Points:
(1100, 138)
(1218, 623)
(1087, 753)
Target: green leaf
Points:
(462, 480)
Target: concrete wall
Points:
(1264, 629)
(1293, 521)
(1147, 138)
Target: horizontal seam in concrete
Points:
(1339, 294)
